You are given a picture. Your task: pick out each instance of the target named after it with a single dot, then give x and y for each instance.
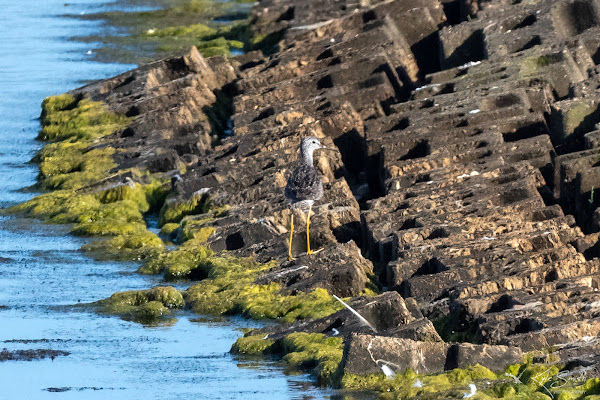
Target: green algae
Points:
(535, 65)
(194, 30)
(447, 332)
(518, 382)
(76, 160)
(139, 246)
(229, 289)
(144, 306)
(174, 210)
(209, 41)
(133, 192)
(169, 228)
(314, 351)
(173, 14)
(66, 165)
(198, 228)
(232, 292)
(253, 345)
(402, 386)
(575, 116)
(178, 26)
(64, 117)
(186, 262)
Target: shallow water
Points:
(43, 273)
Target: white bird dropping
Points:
(418, 384)
(472, 393)
(389, 374)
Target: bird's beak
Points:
(327, 148)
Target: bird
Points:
(304, 187)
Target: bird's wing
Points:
(303, 184)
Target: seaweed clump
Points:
(144, 306)
(72, 166)
(313, 352)
(72, 160)
(229, 289)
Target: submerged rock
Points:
(30, 355)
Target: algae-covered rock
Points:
(169, 228)
(188, 261)
(174, 210)
(230, 288)
(134, 192)
(150, 312)
(252, 345)
(314, 351)
(64, 117)
(145, 306)
(138, 246)
(404, 385)
(166, 295)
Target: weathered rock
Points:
(365, 354)
(495, 358)
(340, 269)
(389, 314)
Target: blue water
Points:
(43, 273)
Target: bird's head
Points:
(310, 144)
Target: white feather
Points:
(472, 393)
(363, 320)
(389, 373)
(418, 384)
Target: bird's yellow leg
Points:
(309, 251)
(307, 230)
(291, 236)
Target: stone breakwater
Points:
(462, 187)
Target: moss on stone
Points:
(314, 351)
(197, 228)
(108, 227)
(134, 192)
(139, 246)
(68, 118)
(403, 385)
(230, 289)
(174, 210)
(534, 65)
(180, 263)
(145, 306)
(169, 228)
(575, 115)
(253, 345)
